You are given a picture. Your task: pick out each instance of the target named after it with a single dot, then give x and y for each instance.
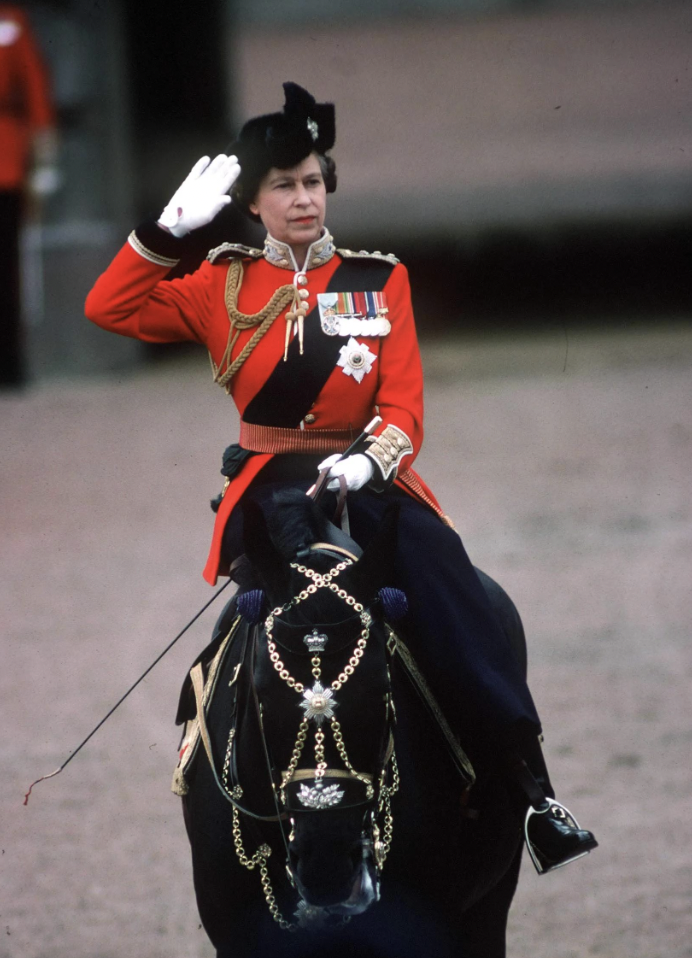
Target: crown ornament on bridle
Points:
(316, 641)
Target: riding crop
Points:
(131, 689)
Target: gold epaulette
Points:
(363, 254)
(233, 250)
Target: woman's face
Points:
(292, 203)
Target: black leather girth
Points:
(294, 385)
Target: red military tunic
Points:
(133, 298)
(25, 104)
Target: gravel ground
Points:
(565, 464)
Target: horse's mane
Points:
(283, 531)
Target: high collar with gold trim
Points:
(281, 254)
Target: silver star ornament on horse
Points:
(319, 703)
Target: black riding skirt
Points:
(453, 632)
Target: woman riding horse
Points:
(311, 342)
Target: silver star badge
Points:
(356, 359)
(319, 703)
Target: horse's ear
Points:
(375, 567)
(261, 551)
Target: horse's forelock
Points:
(294, 522)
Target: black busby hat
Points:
(283, 140)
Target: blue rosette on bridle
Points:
(394, 603)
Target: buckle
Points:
(392, 641)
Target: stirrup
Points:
(543, 867)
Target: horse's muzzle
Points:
(364, 891)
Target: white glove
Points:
(202, 195)
(357, 470)
(45, 178)
(44, 181)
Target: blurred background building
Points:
(530, 160)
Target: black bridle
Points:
(284, 810)
(355, 789)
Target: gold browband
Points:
(328, 547)
(302, 774)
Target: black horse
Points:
(335, 812)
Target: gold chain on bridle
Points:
(317, 710)
(259, 860)
(317, 700)
(382, 846)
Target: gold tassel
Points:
(290, 318)
(301, 316)
(296, 315)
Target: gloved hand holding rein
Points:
(357, 470)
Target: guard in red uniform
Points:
(311, 342)
(27, 160)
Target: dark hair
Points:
(246, 187)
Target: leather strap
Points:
(341, 501)
(197, 678)
(345, 521)
(522, 774)
(317, 491)
(461, 760)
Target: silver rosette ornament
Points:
(319, 703)
(318, 796)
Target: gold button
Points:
(310, 418)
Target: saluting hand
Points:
(202, 195)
